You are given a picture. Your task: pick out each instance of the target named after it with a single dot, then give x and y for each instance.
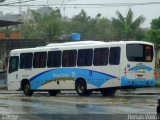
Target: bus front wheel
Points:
(27, 89)
(81, 88)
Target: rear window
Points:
(139, 52)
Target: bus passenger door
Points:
(13, 73)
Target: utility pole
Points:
(47, 3)
(20, 12)
(20, 7)
(64, 11)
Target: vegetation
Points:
(153, 35)
(46, 26)
(126, 28)
(49, 26)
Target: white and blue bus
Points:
(84, 66)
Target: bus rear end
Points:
(138, 68)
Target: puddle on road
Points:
(3, 105)
(26, 100)
(74, 99)
(74, 104)
(39, 103)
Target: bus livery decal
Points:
(140, 67)
(92, 77)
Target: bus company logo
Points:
(73, 74)
(53, 49)
(60, 75)
(9, 117)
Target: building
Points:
(12, 41)
(6, 45)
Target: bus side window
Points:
(114, 58)
(40, 59)
(26, 60)
(69, 58)
(54, 59)
(85, 57)
(101, 56)
(13, 64)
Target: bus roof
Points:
(77, 44)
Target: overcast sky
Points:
(148, 11)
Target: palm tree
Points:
(125, 27)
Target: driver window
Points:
(13, 64)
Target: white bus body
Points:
(85, 66)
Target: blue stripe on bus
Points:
(140, 67)
(39, 75)
(137, 82)
(92, 77)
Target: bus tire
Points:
(108, 92)
(81, 88)
(27, 89)
(53, 92)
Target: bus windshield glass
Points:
(139, 52)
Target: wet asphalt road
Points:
(71, 106)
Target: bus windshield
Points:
(139, 52)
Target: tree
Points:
(79, 24)
(49, 26)
(99, 29)
(153, 35)
(125, 28)
(46, 26)
(155, 24)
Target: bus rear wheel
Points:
(108, 92)
(81, 88)
(53, 92)
(27, 89)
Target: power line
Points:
(69, 6)
(12, 3)
(102, 4)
